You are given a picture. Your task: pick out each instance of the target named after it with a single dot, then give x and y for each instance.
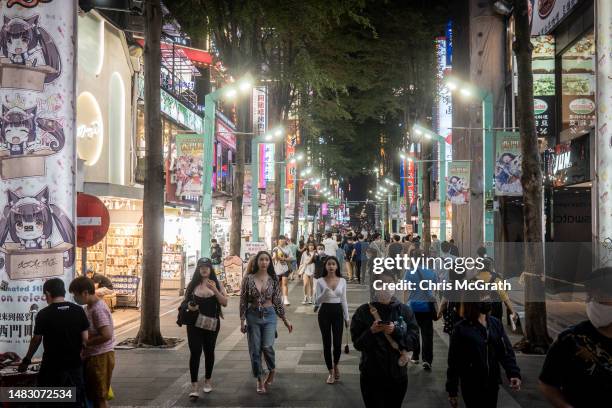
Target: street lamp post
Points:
(210, 109)
(467, 90)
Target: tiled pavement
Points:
(161, 377)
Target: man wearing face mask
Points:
(577, 371)
(384, 331)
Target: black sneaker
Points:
(427, 366)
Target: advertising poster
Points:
(37, 160)
(231, 276)
(188, 169)
(508, 162)
(458, 183)
(578, 86)
(545, 15)
(543, 66)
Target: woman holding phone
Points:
(260, 303)
(207, 295)
(307, 270)
(333, 314)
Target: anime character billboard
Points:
(37, 158)
(508, 160)
(458, 183)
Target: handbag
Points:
(206, 322)
(187, 315)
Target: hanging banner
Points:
(458, 187)
(508, 161)
(37, 159)
(188, 169)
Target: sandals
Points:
(330, 379)
(269, 378)
(261, 388)
(336, 373)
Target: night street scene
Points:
(306, 203)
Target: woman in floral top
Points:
(260, 302)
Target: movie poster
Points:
(188, 169)
(37, 159)
(458, 183)
(508, 161)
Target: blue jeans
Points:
(260, 334)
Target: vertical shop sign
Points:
(37, 158)
(543, 66)
(293, 139)
(188, 169)
(260, 123)
(604, 129)
(508, 160)
(444, 113)
(458, 186)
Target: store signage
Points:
(174, 109)
(90, 129)
(37, 159)
(458, 184)
(582, 106)
(545, 15)
(508, 164)
(266, 167)
(543, 67)
(224, 131)
(232, 274)
(569, 162)
(444, 108)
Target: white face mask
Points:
(599, 314)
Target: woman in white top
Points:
(307, 269)
(333, 312)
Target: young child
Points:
(99, 354)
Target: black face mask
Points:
(484, 307)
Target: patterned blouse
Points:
(251, 297)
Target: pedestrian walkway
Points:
(161, 378)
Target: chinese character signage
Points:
(543, 66)
(545, 15)
(578, 86)
(458, 186)
(508, 162)
(37, 159)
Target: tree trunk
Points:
(536, 338)
(153, 202)
(241, 141)
(426, 180)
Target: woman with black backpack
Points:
(200, 312)
(478, 346)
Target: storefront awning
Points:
(193, 54)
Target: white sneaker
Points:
(207, 387)
(286, 300)
(310, 300)
(305, 301)
(194, 394)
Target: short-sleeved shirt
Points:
(579, 363)
(99, 316)
(421, 300)
(60, 325)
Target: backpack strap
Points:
(376, 315)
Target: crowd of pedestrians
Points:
(391, 331)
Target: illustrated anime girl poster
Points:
(458, 183)
(37, 158)
(508, 162)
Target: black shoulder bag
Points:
(188, 312)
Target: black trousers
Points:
(425, 322)
(201, 340)
(49, 376)
(357, 273)
(380, 392)
(331, 323)
(480, 397)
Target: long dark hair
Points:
(253, 268)
(197, 278)
(331, 258)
